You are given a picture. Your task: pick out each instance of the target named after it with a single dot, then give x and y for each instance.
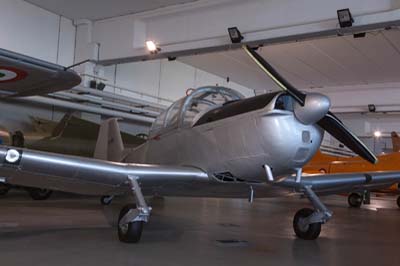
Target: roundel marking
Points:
(12, 156)
(11, 74)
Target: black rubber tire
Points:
(133, 232)
(105, 200)
(39, 194)
(312, 231)
(355, 200)
(4, 188)
(398, 201)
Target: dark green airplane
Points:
(71, 136)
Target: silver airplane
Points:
(211, 143)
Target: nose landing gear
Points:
(307, 222)
(304, 229)
(130, 232)
(132, 217)
(106, 200)
(4, 188)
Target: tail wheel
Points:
(39, 194)
(106, 200)
(355, 200)
(130, 232)
(305, 231)
(4, 188)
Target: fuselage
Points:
(237, 145)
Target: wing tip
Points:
(374, 159)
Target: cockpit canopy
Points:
(209, 104)
(186, 111)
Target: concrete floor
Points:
(181, 231)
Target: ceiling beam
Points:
(184, 32)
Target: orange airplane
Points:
(322, 163)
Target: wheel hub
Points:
(124, 228)
(303, 225)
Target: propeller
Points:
(311, 108)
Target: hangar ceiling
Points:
(336, 61)
(100, 9)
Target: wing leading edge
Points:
(327, 184)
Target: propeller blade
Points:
(339, 131)
(275, 76)
(329, 122)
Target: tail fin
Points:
(109, 145)
(395, 141)
(59, 129)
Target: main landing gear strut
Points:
(306, 222)
(132, 217)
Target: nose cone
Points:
(316, 106)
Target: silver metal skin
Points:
(316, 106)
(87, 176)
(254, 153)
(240, 145)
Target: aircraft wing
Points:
(97, 177)
(326, 184)
(22, 75)
(87, 176)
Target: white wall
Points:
(204, 23)
(33, 31)
(163, 79)
(27, 29)
(364, 126)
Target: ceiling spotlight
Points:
(152, 47)
(345, 18)
(235, 35)
(372, 108)
(377, 134)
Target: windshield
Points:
(205, 99)
(186, 111)
(284, 102)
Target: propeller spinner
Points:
(313, 108)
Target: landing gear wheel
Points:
(131, 232)
(106, 200)
(398, 201)
(39, 194)
(4, 189)
(306, 232)
(355, 200)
